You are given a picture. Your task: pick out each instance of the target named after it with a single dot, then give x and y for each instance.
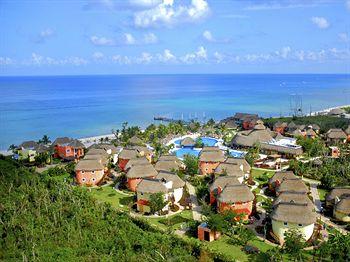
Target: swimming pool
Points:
(181, 152)
(209, 141)
(237, 154)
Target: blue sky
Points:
(174, 36)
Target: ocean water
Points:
(80, 106)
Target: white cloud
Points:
(122, 60)
(218, 57)
(199, 56)
(169, 14)
(166, 56)
(129, 39)
(321, 22)
(145, 58)
(98, 56)
(150, 38)
(102, 41)
(207, 35)
(284, 52)
(344, 37)
(46, 33)
(4, 61)
(39, 60)
(144, 3)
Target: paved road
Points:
(196, 208)
(316, 197)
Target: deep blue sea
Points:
(80, 106)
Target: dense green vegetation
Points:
(312, 146)
(332, 172)
(44, 219)
(325, 122)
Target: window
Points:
(68, 150)
(83, 172)
(93, 171)
(94, 179)
(84, 179)
(300, 225)
(285, 223)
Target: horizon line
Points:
(166, 74)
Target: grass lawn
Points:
(174, 222)
(322, 192)
(109, 195)
(257, 172)
(234, 252)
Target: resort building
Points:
(173, 183)
(335, 136)
(270, 142)
(334, 151)
(135, 141)
(339, 112)
(125, 155)
(347, 131)
(139, 172)
(206, 234)
(292, 186)
(187, 142)
(238, 199)
(144, 151)
(240, 117)
(229, 123)
(135, 162)
(27, 151)
(145, 189)
(280, 127)
(291, 215)
(209, 159)
(279, 177)
(219, 184)
(241, 162)
(310, 133)
(336, 194)
(111, 150)
(89, 172)
(231, 170)
(290, 197)
(341, 210)
(168, 163)
(68, 148)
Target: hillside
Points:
(43, 219)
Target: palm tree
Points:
(45, 140)
(12, 148)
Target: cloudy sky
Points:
(174, 36)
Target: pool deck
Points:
(219, 143)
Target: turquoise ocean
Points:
(81, 106)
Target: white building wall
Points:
(279, 229)
(178, 192)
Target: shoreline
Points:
(88, 141)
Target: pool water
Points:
(209, 141)
(237, 154)
(180, 153)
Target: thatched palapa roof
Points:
(141, 171)
(151, 186)
(89, 165)
(169, 176)
(223, 181)
(294, 213)
(236, 193)
(293, 186)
